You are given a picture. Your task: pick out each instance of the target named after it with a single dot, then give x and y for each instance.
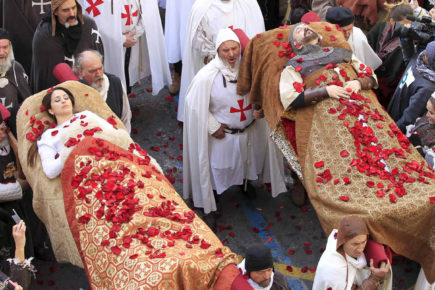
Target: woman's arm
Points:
(50, 158)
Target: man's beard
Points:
(308, 38)
(96, 84)
(5, 65)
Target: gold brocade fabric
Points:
(407, 225)
(183, 265)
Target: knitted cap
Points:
(258, 257)
(54, 5)
(342, 16)
(430, 54)
(4, 34)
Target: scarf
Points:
(70, 36)
(423, 69)
(230, 73)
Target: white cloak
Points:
(177, 15)
(333, 269)
(151, 43)
(362, 49)
(422, 283)
(243, 14)
(196, 154)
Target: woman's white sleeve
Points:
(50, 159)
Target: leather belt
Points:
(238, 131)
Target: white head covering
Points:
(226, 34)
(433, 95)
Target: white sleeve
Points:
(213, 124)
(203, 41)
(126, 111)
(50, 158)
(10, 191)
(287, 90)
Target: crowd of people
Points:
(245, 107)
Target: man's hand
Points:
(354, 85)
(130, 39)
(382, 271)
(258, 114)
(337, 92)
(220, 134)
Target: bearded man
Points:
(14, 87)
(59, 37)
(89, 67)
(224, 142)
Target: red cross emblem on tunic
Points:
(93, 7)
(241, 110)
(128, 15)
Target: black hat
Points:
(258, 257)
(4, 34)
(342, 16)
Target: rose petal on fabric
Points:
(269, 239)
(336, 181)
(42, 108)
(134, 256)
(289, 268)
(277, 43)
(370, 184)
(344, 153)
(232, 234)
(332, 38)
(218, 253)
(279, 36)
(380, 193)
(313, 269)
(328, 28)
(344, 198)
(346, 180)
(392, 197)
(304, 269)
(319, 164)
(432, 199)
(116, 250)
(54, 133)
(298, 69)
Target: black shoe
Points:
(210, 220)
(249, 192)
(298, 195)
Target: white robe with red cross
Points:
(210, 163)
(148, 55)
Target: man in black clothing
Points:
(60, 37)
(416, 86)
(89, 67)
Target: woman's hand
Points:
(337, 92)
(354, 85)
(19, 234)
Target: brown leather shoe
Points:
(174, 88)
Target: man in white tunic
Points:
(224, 142)
(135, 26)
(343, 17)
(207, 17)
(343, 265)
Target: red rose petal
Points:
(298, 69)
(344, 153)
(269, 239)
(255, 230)
(42, 108)
(328, 28)
(54, 133)
(319, 164)
(304, 269)
(432, 199)
(232, 234)
(291, 252)
(149, 90)
(344, 198)
(289, 268)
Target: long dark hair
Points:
(46, 102)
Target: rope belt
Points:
(238, 131)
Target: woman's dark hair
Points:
(296, 15)
(46, 102)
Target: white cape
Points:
(333, 269)
(177, 15)
(362, 49)
(149, 44)
(422, 283)
(196, 159)
(247, 16)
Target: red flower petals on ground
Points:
(289, 268)
(291, 252)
